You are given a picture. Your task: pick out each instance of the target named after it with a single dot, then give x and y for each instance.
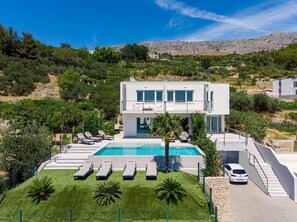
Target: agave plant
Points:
(171, 190)
(106, 192)
(41, 189)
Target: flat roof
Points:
(171, 82)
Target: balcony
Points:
(130, 106)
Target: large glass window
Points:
(170, 96)
(295, 84)
(143, 125)
(139, 96)
(214, 124)
(159, 95)
(180, 96)
(149, 96)
(189, 96)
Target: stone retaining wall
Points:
(220, 196)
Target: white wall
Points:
(275, 85)
(287, 87)
(286, 177)
(221, 98)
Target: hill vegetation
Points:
(89, 84)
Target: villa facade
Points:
(141, 100)
(285, 88)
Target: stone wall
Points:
(220, 195)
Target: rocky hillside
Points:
(224, 47)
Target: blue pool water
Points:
(146, 149)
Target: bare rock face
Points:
(224, 47)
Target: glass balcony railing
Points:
(155, 107)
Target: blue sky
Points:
(93, 23)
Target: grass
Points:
(138, 202)
(277, 135)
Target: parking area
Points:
(250, 204)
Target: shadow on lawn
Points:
(174, 162)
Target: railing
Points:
(152, 106)
(239, 133)
(255, 160)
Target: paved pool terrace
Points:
(75, 154)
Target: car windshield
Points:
(239, 171)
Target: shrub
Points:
(264, 103)
(106, 193)
(41, 189)
(171, 190)
(213, 163)
(252, 123)
(241, 101)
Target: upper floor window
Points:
(189, 96)
(149, 96)
(295, 84)
(170, 96)
(180, 96)
(159, 95)
(139, 96)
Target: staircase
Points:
(73, 156)
(267, 175)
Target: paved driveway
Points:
(249, 204)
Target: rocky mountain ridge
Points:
(222, 47)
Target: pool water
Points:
(146, 149)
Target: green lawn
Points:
(138, 202)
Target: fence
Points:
(105, 214)
(213, 210)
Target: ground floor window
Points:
(214, 124)
(143, 125)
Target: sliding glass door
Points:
(214, 124)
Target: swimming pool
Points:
(146, 149)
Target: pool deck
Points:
(73, 155)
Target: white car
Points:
(236, 173)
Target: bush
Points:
(289, 105)
(107, 192)
(264, 103)
(41, 189)
(249, 122)
(171, 190)
(241, 101)
(285, 126)
(213, 163)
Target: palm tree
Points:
(106, 192)
(171, 190)
(41, 189)
(166, 125)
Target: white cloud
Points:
(193, 12)
(281, 17)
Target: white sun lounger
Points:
(129, 170)
(104, 170)
(84, 170)
(104, 136)
(81, 138)
(151, 170)
(91, 137)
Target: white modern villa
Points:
(141, 100)
(285, 88)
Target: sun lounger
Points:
(91, 137)
(129, 170)
(104, 136)
(81, 138)
(84, 170)
(151, 170)
(104, 170)
(184, 136)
